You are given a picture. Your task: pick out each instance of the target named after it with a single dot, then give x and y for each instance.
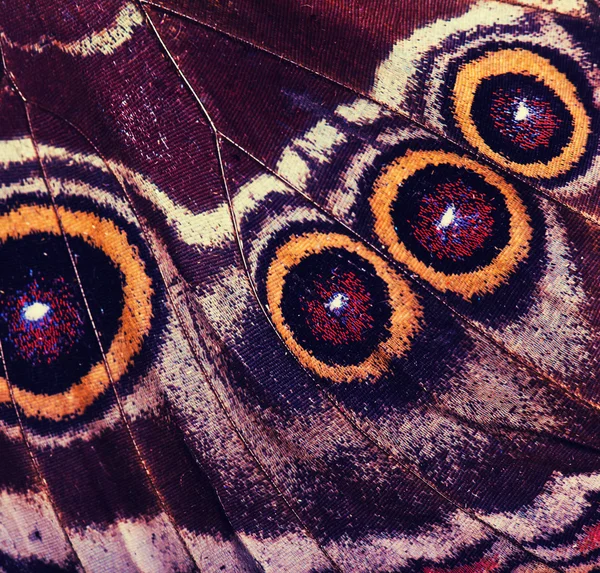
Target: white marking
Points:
(141, 545)
(447, 218)
(317, 145)
(216, 554)
(397, 77)
(361, 111)
(319, 141)
(293, 167)
(23, 517)
(336, 303)
(291, 552)
(417, 66)
(562, 502)
(104, 42)
(522, 111)
(211, 228)
(35, 311)
(555, 326)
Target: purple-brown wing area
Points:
(268, 305)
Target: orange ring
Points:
(519, 61)
(406, 310)
(486, 280)
(134, 322)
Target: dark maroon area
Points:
(342, 40)
(238, 82)
(264, 91)
(98, 481)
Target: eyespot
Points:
(517, 108)
(342, 310)
(456, 223)
(52, 354)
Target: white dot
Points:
(35, 311)
(522, 111)
(336, 302)
(447, 218)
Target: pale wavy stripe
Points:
(103, 42)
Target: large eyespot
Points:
(522, 112)
(340, 308)
(52, 354)
(456, 223)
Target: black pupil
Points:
(337, 306)
(451, 219)
(521, 118)
(46, 335)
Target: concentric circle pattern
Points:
(57, 368)
(517, 108)
(456, 223)
(341, 309)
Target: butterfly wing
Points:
(244, 326)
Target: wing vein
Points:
(532, 368)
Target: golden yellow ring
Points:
(134, 322)
(523, 62)
(485, 280)
(404, 321)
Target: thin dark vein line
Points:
(38, 470)
(502, 429)
(346, 415)
(516, 3)
(163, 279)
(240, 248)
(438, 134)
(151, 482)
(122, 414)
(532, 368)
(119, 404)
(253, 288)
(472, 326)
(358, 426)
(238, 238)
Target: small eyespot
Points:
(52, 354)
(517, 108)
(454, 222)
(342, 310)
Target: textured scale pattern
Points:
(300, 287)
